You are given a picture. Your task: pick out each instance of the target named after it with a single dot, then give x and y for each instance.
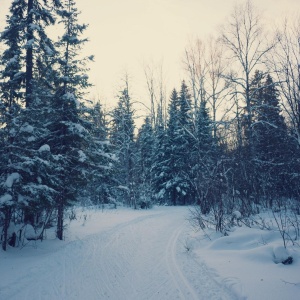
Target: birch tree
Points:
(285, 61)
(244, 41)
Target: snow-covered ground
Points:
(148, 254)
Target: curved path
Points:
(139, 259)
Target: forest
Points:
(226, 140)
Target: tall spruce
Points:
(204, 170)
(69, 136)
(271, 141)
(160, 167)
(172, 172)
(144, 169)
(122, 139)
(101, 172)
(24, 169)
(171, 154)
(183, 143)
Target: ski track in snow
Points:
(137, 260)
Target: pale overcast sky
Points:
(125, 33)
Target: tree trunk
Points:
(29, 54)
(60, 219)
(7, 215)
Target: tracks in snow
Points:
(141, 259)
(180, 281)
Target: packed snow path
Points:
(143, 258)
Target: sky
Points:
(125, 35)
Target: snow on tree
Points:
(122, 139)
(145, 160)
(25, 40)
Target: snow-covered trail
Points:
(143, 258)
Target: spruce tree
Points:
(101, 166)
(172, 172)
(271, 141)
(69, 136)
(144, 168)
(171, 154)
(24, 168)
(184, 141)
(122, 139)
(204, 157)
(160, 167)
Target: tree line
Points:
(227, 138)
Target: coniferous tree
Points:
(122, 139)
(171, 153)
(69, 136)
(144, 168)
(271, 141)
(160, 167)
(24, 171)
(100, 185)
(204, 156)
(172, 170)
(183, 142)
(10, 94)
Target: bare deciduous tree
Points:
(156, 86)
(195, 65)
(204, 63)
(243, 38)
(285, 61)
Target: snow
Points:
(31, 139)
(13, 60)
(79, 128)
(27, 128)
(5, 198)
(248, 262)
(75, 127)
(34, 27)
(48, 50)
(70, 96)
(82, 156)
(29, 43)
(122, 187)
(11, 178)
(148, 254)
(280, 254)
(237, 215)
(45, 148)
(29, 232)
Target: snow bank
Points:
(249, 262)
